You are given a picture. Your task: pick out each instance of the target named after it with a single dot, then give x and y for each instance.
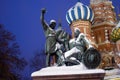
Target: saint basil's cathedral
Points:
(98, 21)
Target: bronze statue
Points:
(51, 48)
(81, 50)
(63, 37)
(50, 37)
(68, 51)
(78, 46)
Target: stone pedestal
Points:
(113, 74)
(98, 76)
(68, 73)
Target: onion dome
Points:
(115, 35)
(79, 12)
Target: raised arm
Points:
(43, 22)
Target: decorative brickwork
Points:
(103, 24)
(84, 26)
(103, 12)
(101, 34)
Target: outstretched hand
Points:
(43, 10)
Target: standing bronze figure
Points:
(51, 48)
(50, 36)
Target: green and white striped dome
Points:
(115, 35)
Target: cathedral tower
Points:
(103, 23)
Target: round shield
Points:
(91, 58)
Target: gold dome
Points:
(115, 35)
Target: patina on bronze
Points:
(50, 47)
(58, 43)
